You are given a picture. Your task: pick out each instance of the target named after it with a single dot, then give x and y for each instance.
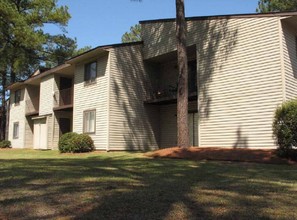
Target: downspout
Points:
(283, 77)
(108, 101)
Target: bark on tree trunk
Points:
(3, 108)
(182, 92)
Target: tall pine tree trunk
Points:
(3, 107)
(182, 92)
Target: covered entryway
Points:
(40, 133)
(65, 125)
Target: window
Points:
(15, 130)
(89, 121)
(17, 97)
(90, 72)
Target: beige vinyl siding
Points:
(158, 38)
(17, 114)
(49, 122)
(168, 124)
(32, 98)
(56, 131)
(55, 125)
(239, 76)
(28, 132)
(46, 95)
(133, 125)
(289, 35)
(93, 96)
(239, 89)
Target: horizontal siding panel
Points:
(239, 78)
(93, 96)
(17, 114)
(239, 90)
(133, 125)
(46, 95)
(290, 60)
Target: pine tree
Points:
(265, 6)
(133, 36)
(23, 43)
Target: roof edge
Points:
(105, 47)
(41, 74)
(227, 16)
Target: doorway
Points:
(40, 134)
(65, 125)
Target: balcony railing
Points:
(63, 98)
(169, 95)
(32, 106)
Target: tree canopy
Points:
(276, 5)
(23, 41)
(24, 44)
(134, 35)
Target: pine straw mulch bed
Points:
(221, 154)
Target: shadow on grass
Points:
(129, 187)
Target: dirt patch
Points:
(221, 154)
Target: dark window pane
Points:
(90, 71)
(93, 69)
(17, 96)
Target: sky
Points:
(102, 22)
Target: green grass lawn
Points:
(48, 185)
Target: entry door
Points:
(193, 128)
(40, 134)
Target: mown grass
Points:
(48, 185)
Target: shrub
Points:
(285, 129)
(82, 143)
(65, 142)
(75, 143)
(5, 144)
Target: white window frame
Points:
(16, 130)
(87, 127)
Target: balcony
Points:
(32, 106)
(168, 96)
(63, 99)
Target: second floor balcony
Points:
(32, 106)
(63, 99)
(168, 95)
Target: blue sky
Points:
(101, 22)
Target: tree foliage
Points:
(24, 45)
(23, 40)
(285, 129)
(276, 5)
(81, 50)
(57, 49)
(134, 35)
